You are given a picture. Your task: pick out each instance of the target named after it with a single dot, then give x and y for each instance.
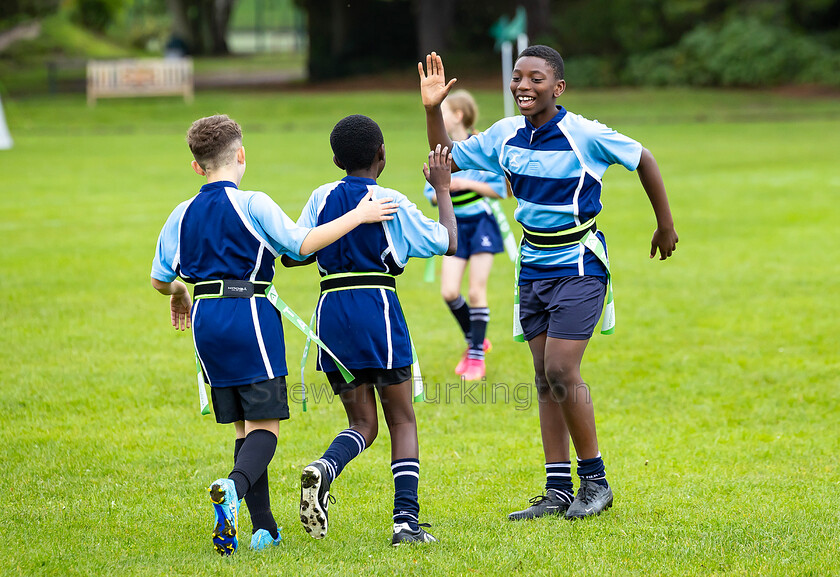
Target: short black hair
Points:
(550, 55)
(355, 141)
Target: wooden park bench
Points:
(142, 77)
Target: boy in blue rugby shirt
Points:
(225, 241)
(554, 161)
(360, 319)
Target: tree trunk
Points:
(223, 9)
(434, 21)
(202, 24)
(180, 22)
(539, 19)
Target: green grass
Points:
(716, 399)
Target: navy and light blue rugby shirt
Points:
(555, 174)
(227, 233)
(365, 327)
(495, 180)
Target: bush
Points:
(590, 72)
(742, 52)
(96, 15)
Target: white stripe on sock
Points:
(412, 473)
(356, 436)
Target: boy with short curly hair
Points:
(554, 161)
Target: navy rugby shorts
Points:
(565, 307)
(477, 234)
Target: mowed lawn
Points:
(717, 399)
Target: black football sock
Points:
(461, 311)
(479, 317)
(259, 506)
(252, 460)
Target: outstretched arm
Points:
(179, 301)
(437, 172)
(368, 210)
(665, 237)
(476, 186)
(433, 90)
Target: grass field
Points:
(717, 399)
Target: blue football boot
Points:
(226, 507)
(262, 539)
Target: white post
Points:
(507, 73)
(521, 42)
(5, 137)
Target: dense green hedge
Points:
(740, 52)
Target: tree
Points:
(202, 24)
(358, 37)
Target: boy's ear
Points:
(559, 88)
(197, 168)
(381, 151)
(240, 155)
(337, 162)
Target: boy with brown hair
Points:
(224, 241)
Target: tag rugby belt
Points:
(356, 280)
(552, 240)
(465, 198)
(242, 289)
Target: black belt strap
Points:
(550, 242)
(243, 289)
(363, 280)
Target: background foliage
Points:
(641, 42)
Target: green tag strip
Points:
(301, 325)
(518, 333)
(593, 243)
(504, 226)
(416, 377)
(202, 392)
(429, 272)
(303, 361)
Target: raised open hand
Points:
(433, 85)
(438, 171)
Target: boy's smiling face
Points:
(536, 88)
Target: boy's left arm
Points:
(665, 237)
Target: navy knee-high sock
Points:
(479, 317)
(593, 470)
(461, 311)
(406, 480)
(347, 445)
(258, 500)
(558, 478)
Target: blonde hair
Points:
(463, 101)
